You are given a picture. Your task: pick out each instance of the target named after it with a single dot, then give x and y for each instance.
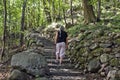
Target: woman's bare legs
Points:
(57, 52)
(62, 52)
(61, 59)
(57, 57)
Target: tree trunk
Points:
(5, 29)
(71, 10)
(9, 30)
(53, 11)
(64, 16)
(89, 15)
(38, 17)
(47, 12)
(99, 10)
(22, 23)
(114, 5)
(59, 10)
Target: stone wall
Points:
(96, 51)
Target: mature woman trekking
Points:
(61, 44)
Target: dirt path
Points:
(4, 71)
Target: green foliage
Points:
(1, 30)
(93, 2)
(117, 41)
(1, 18)
(76, 29)
(35, 15)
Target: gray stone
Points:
(107, 69)
(39, 43)
(32, 62)
(105, 45)
(117, 55)
(18, 75)
(94, 65)
(104, 58)
(87, 44)
(114, 62)
(102, 74)
(113, 75)
(93, 46)
(34, 35)
(107, 50)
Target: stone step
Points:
(65, 66)
(53, 61)
(49, 47)
(49, 50)
(64, 70)
(48, 54)
(64, 73)
(50, 57)
(68, 78)
(53, 57)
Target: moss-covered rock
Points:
(104, 58)
(117, 41)
(114, 62)
(94, 65)
(97, 52)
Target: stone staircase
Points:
(64, 72)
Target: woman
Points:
(61, 44)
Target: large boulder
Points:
(33, 63)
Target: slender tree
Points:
(64, 16)
(71, 10)
(59, 10)
(89, 15)
(114, 5)
(47, 11)
(53, 10)
(99, 10)
(5, 29)
(38, 15)
(22, 22)
(9, 23)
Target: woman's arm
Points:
(66, 43)
(55, 39)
